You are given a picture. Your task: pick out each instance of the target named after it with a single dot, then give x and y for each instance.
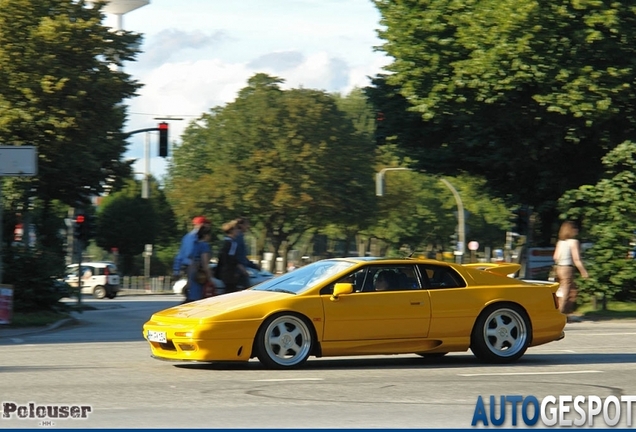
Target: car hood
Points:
(246, 300)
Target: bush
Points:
(36, 276)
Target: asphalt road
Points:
(105, 364)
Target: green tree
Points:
(290, 160)
(509, 89)
(60, 92)
(418, 212)
(127, 222)
(607, 212)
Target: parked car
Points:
(256, 277)
(334, 307)
(100, 279)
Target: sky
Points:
(197, 54)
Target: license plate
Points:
(157, 336)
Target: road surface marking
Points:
(290, 379)
(532, 373)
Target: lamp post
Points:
(461, 244)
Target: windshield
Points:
(304, 278)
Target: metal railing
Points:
(141, 284)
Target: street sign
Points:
(473, 245)
(18, 161)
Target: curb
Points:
(16, 332)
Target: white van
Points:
(100, 279)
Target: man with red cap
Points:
(183, 258)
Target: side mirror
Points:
(340, 289)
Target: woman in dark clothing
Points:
(230, 269)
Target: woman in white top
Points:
(567, 256)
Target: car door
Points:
(402, 312)
(453, 307)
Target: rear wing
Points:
(554, 286)
(504, 269)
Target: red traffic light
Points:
(163, 139)
(79, 219)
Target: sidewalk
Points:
(8, 332)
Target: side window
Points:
(356, 278)
(394, 278)
(87, 272)
(440, 277)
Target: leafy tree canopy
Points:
(529, 94)
(61, 90)
(290, 160)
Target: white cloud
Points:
(199, 53)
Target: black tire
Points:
(284, 341)
(99, 292)
(432, 355)
(501, 334)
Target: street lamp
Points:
(461, 245)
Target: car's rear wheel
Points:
(284, 341)
(501, 334)
(99, 292)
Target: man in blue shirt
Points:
(183, 258)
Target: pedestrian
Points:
(567, 256)
(230, 270)
(199, 273)
(182, 260)
(244, 225)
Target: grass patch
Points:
(615, 310)
(44, 318)
(36, 319)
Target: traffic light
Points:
(163, 139)
(78, 226)
(82, 228)
(380, 128)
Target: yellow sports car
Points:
(360, 306)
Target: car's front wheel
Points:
(501, 334)
(283, 341)
(99, 292)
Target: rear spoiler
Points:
(554, 286)
(504, 269)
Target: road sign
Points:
(18, 161)
(473, 245)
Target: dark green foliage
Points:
(35, 275)
(59, 92)
(510, 89)
(128, 222)
(607, 213)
